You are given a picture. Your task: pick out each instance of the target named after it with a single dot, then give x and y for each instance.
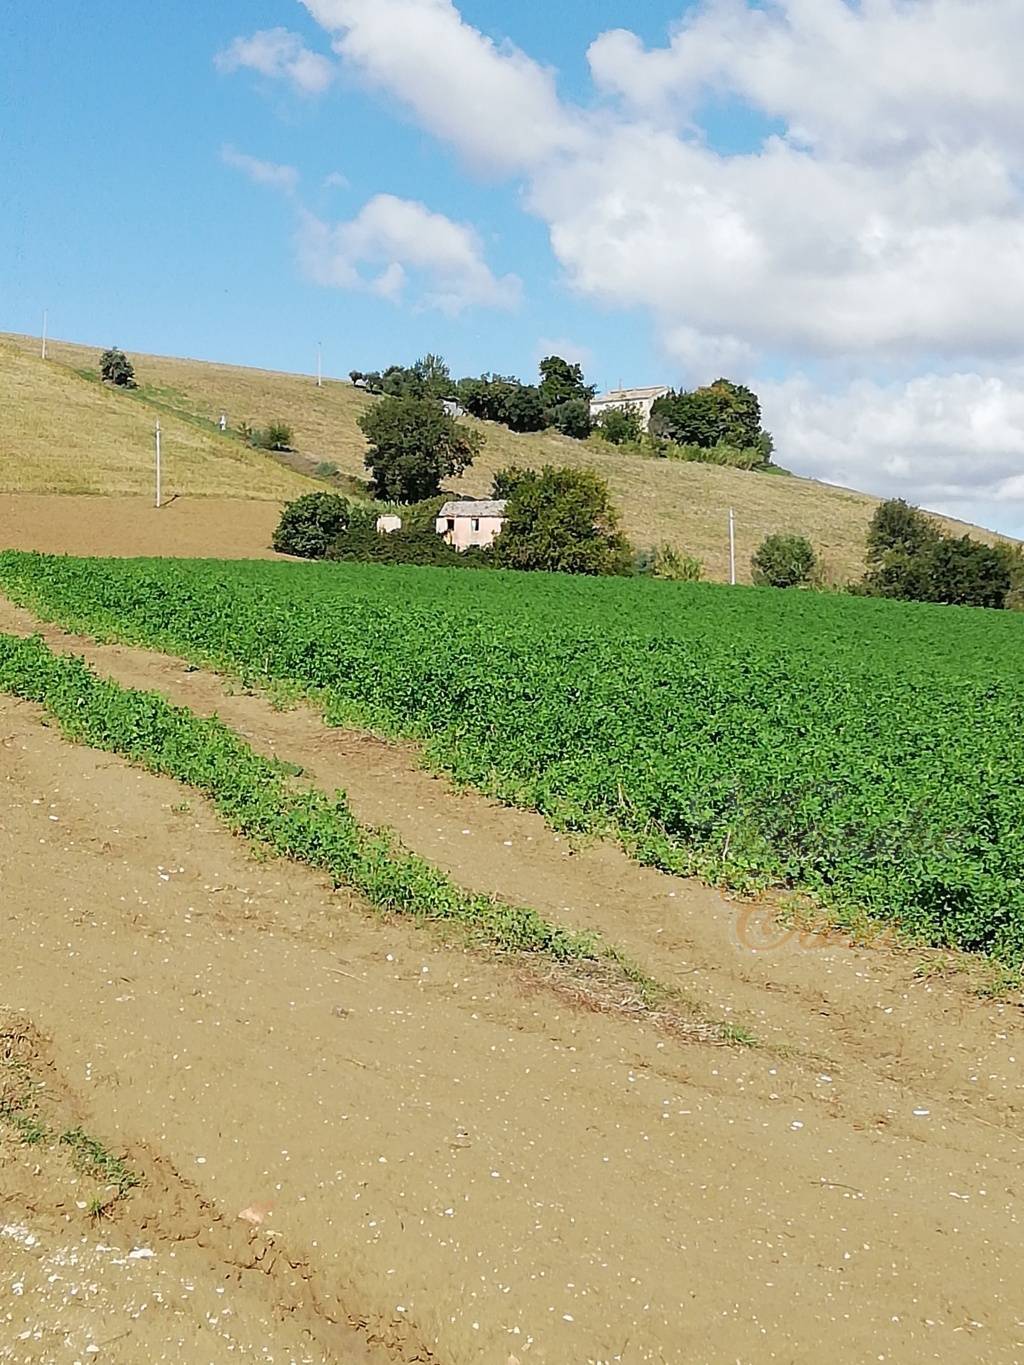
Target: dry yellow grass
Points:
(61, 433)
(684, 505)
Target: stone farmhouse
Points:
(468, 524)
(641, 399)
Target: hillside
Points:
(62, 433)
(70, 434)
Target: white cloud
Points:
(495, 104)
(888, 218)
(281, 55)
(336, 181)
(876, 222)
(884, 76)
(953, 442)
(284, 178)
(391, 239)
(573, 351)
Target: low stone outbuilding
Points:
(388, 524)
(468, 524)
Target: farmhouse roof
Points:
(632, 395)
(468, 508)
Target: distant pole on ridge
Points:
(46, 318)
(732, 547)
(319, 364)
(158, 469)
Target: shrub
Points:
(418, 545)
(675, 567)
(909, 558)
(414, 444)
(524, 409)
(732, 457)
(571, 418)
(117, 369)
(560, 520)
(620, 425)
(783, 562)
(327, 469)
(310, 524)
(279, 436)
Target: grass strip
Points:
(263, 802)
(261, 799)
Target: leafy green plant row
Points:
(867, 752)
(261, 802)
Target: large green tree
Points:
(414, 444)
(911, 559)
(524, 409)
(561, 382)
(722, 412)
(898, 528)
(561, 520)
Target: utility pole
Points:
(732, 547)
(319, 364)
(46, 318)
(158, 469)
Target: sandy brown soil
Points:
(188, 528)
(449, 1146)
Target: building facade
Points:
(465, 525)
(641, 399)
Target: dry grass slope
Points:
(64, 434)
(685, 505)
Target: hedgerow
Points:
(864, 751)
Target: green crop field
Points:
(866, 752)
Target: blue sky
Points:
(128, 226)
(823, 200)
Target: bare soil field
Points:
(188, 528)
(438, 1148)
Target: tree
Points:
(561, 382)
(571, 418)
(963, 572)
(909, 558)
(310, 524)
(783, 562)
(950, 571)
(898, 528)
(414, 444)
(720, 412)
(621, 425)
(116, 368)
(560, 520)
(524, 409)
(488, 396)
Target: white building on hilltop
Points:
(641, 399)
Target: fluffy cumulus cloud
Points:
(281, 55)
(951, 442)
(266, 173)
(877, 225)
(395, 245)
(497, 105)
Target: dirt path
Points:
(407, 1110)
